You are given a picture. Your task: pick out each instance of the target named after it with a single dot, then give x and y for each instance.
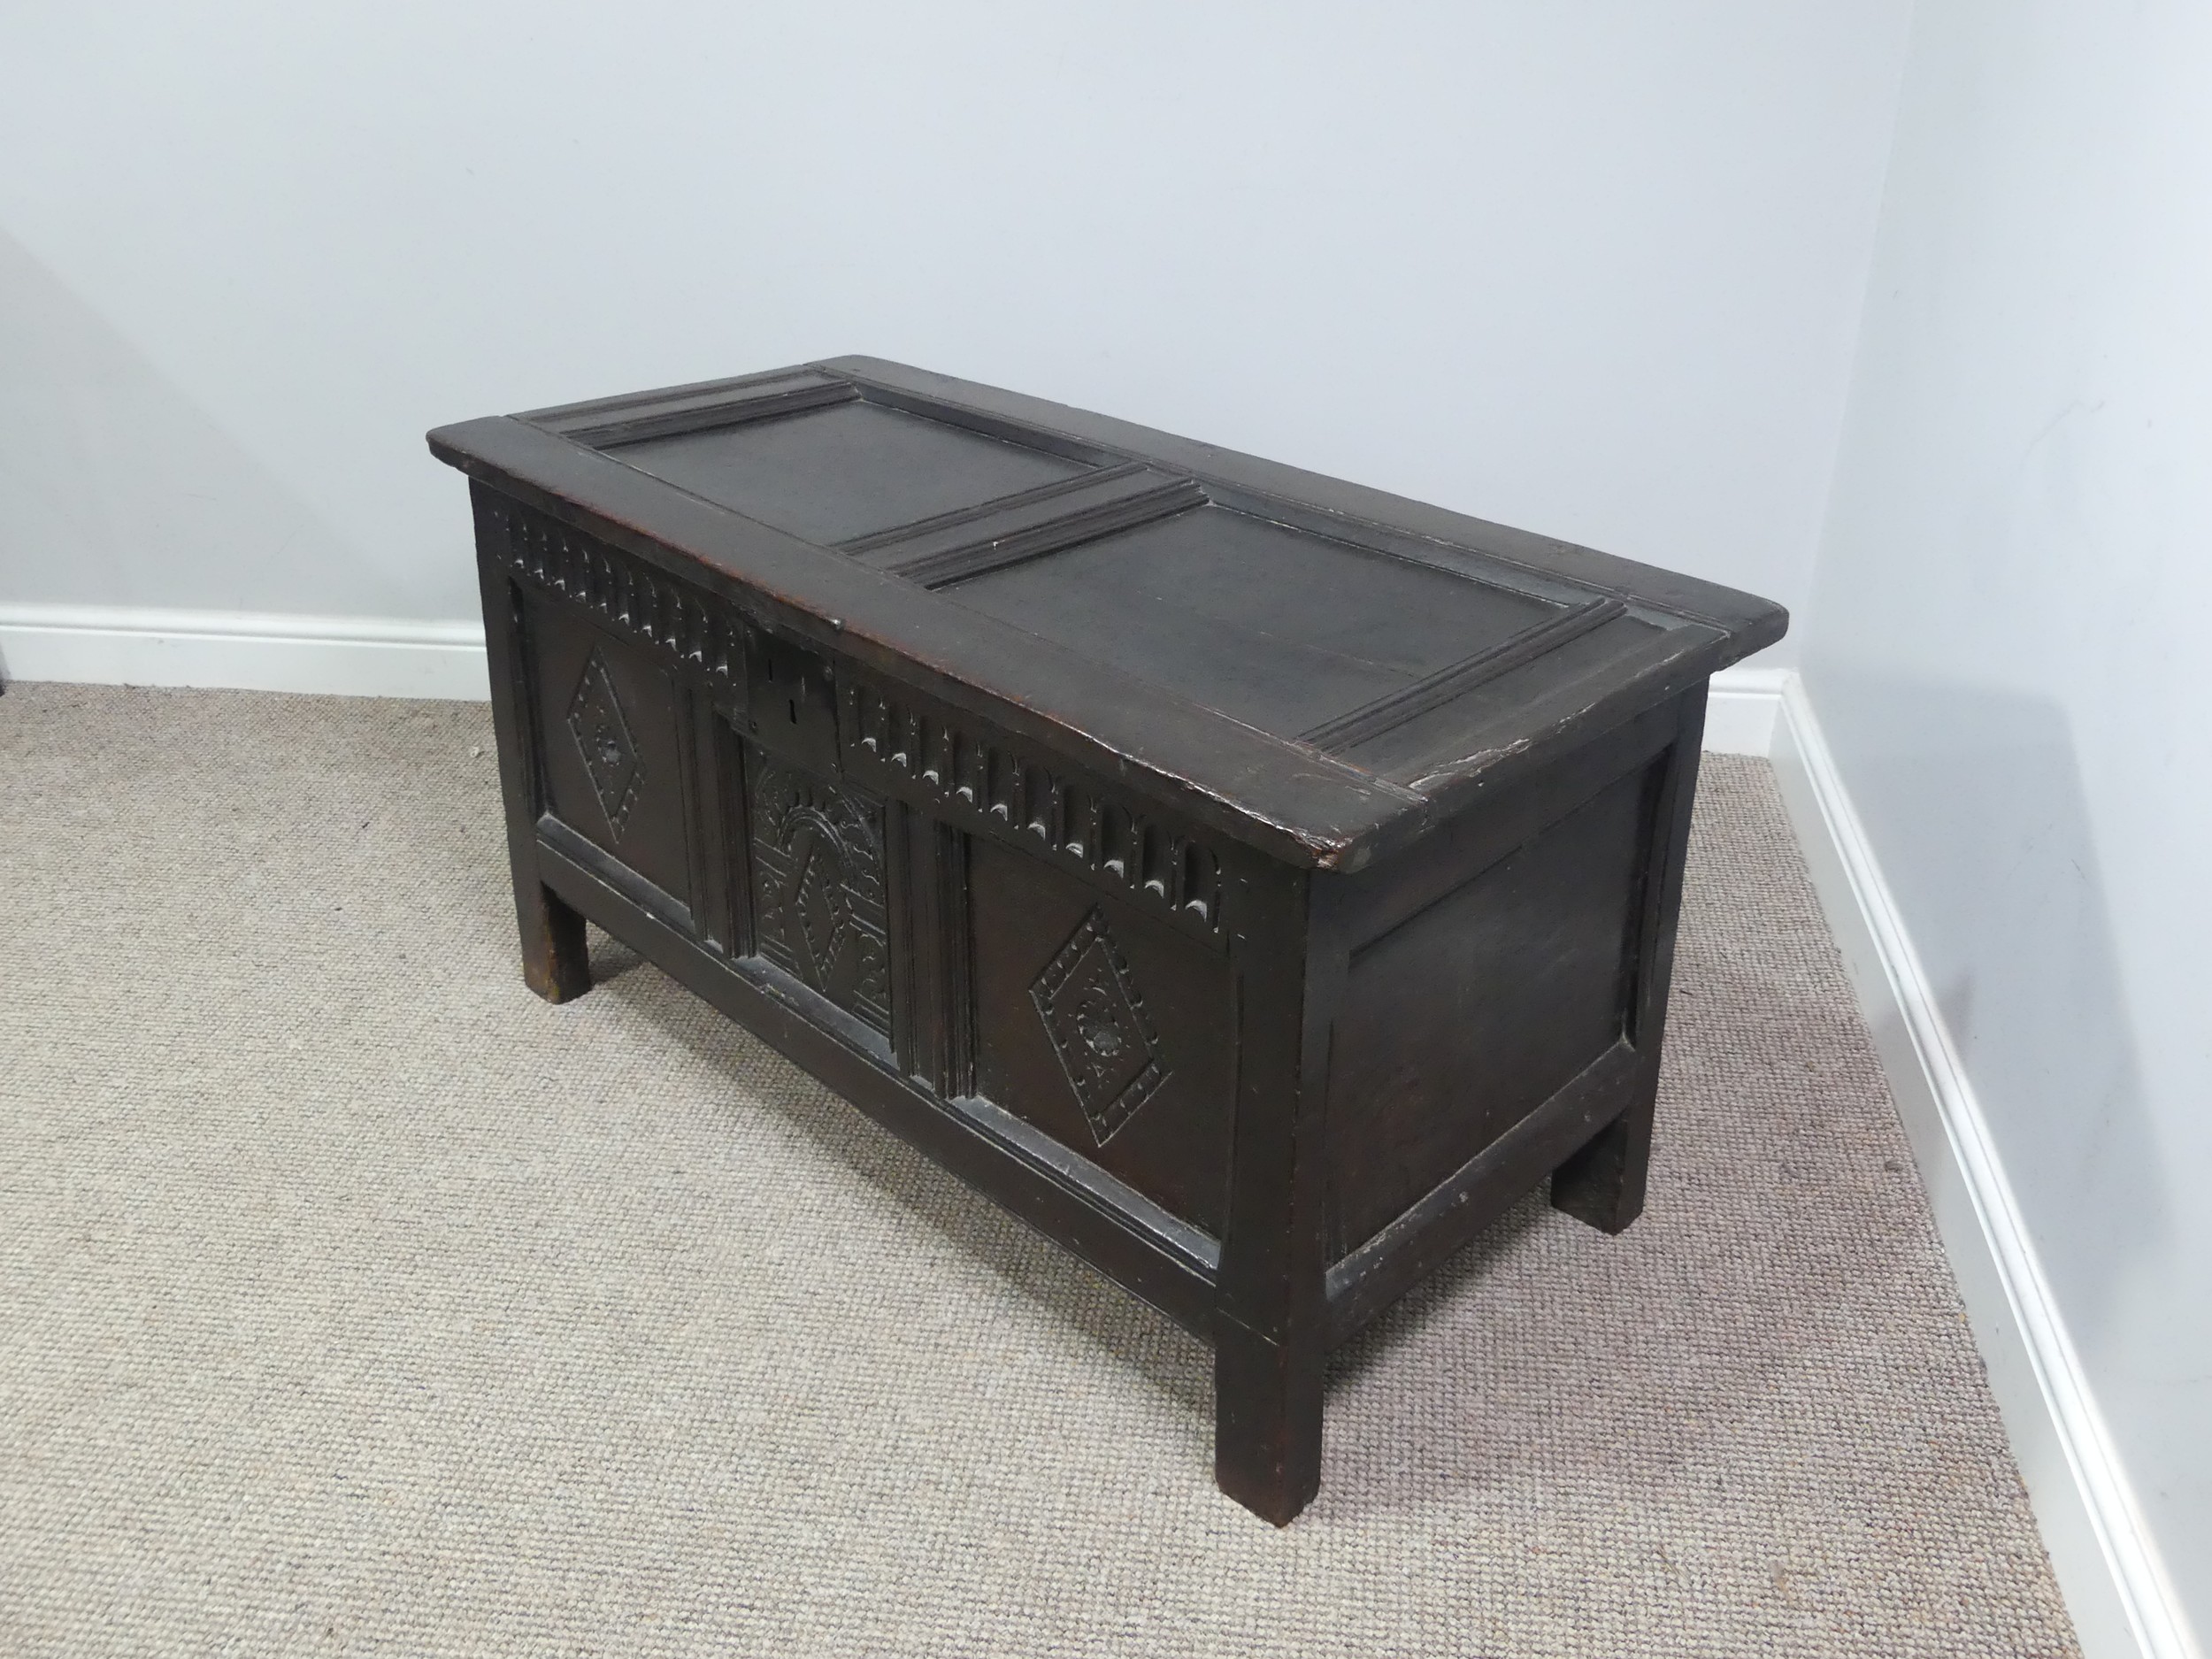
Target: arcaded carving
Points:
(967, 768)
(623, 590)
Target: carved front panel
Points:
(1106, 1027)
(610, 745)
(817, 859)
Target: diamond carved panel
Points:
(603, 736)
(1095, 1018)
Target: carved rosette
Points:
(603, 736)
(1096, 1019)
(818, 886)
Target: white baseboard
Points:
(1742, 707)
(345, 655)
(2109, 1569)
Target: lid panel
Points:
(852, 469)
(1280, 628)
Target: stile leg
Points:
(555, 961)
(555, 964)
(1267, 1422)
(1271, 1316)
(1603, 1183)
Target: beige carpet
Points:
(354, 1301)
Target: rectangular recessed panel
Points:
(1282, 629)
(851, 470)
(1462, 1020)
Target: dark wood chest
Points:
(1253, 882)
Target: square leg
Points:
(1267, 1422)
(554, 962)
(1603, 1183)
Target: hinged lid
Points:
(1314, 667)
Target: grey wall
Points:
(1594, 270)
(2006, 648)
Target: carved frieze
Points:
(620, 589)
(968, 771)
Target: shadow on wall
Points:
(116, 489)
(1973, 801)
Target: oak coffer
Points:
(1253, 882)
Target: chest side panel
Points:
(1462, 1019)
